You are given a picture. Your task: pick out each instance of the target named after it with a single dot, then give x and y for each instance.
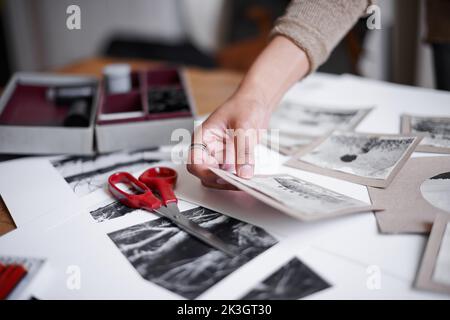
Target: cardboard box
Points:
(30, 123)
(158, 103)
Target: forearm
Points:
(317, 26)
(276, 69)
(289, 57)
(303, 39)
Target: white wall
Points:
(377, 59)
(39, 39)
(204, 22)
(375, 62)
(425, 66)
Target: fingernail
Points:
(221, 181)
(245, 171)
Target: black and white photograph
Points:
(300, 119)
(298, 197)
(169, 257)
(435, 132)
(436, 190)
(293, 192)
(110, 210)
(286, 144)
(294, 280)
(361, 155)
(86, 174)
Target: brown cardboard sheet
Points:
(406, 210)
(425, 277)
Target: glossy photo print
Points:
(292, 281)
(169, 257)
(284, 143)
(434, 130)
(86, 174)
(315, 120)
(369, 159)
(298, 198)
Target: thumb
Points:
(245, 140)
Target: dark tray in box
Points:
(166, 95)
(158, 103)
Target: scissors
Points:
(161, 180)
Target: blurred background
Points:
(209, 34)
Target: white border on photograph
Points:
(295, 162)
(405, 128)
(298, 214)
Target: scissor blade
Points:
(173, 213)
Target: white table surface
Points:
(345, 251)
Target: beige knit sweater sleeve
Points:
(317, 26)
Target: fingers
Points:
(229, 149)
(200, 160)
(245, 141)
(199, 164)
(227, 155)
(208, 178)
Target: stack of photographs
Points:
(298, 198)
(301, 124)
(284, 143)
(435, 132)
(363, 158)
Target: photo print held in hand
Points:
(232, 150)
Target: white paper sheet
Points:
(341, 250)
(32, 187)
(102, 275)
(77, 270)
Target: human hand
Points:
(228, 137)
(227, 140)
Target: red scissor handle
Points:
(143, 198)
(163, 180)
